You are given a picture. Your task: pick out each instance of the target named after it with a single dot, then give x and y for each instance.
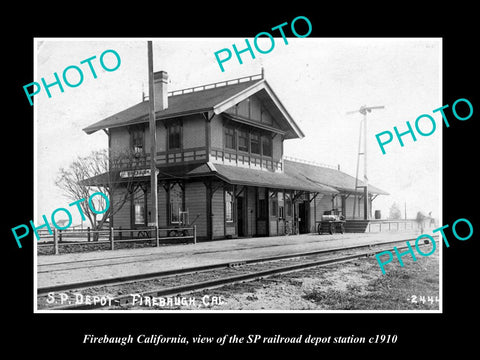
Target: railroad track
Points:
(304, 261)
(127, 259)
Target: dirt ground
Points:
(354, 285)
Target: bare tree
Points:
(118, 176)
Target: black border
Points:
(49, 334)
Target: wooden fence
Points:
(110, 239)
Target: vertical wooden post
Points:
(209, 195)
(157, 236)
(194, 234)
(112, 239)
(153, 136)
(55, 242)
(88, 234)
(207, 136)
(60, 235)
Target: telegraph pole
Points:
(153, 138)
(363, 110)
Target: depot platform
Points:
(62, 269)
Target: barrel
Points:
(378, 214)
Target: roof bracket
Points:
(206, 115)
(297, 195)
(241, 191)
(314, 196)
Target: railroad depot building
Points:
(219, 156)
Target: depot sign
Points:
(137, 173)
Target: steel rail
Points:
(166, 273)
(209, 284)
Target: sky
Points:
(318, 80)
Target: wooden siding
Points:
(161, 137)
(122, 217)
(255, 108)
(196, 204)
(252, 108)
(119, 139)
(161, 134)
(216, 131)
(194, 132)
(243, 108)
(349, 207)
(359, 208)
(325, 204)
(277, 148)
(316, 210)
(162, 205)
(218, 212)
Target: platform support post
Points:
(112, 246)
(55, 242)
(157, 236)
(194, 234)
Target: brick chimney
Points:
(160, 79)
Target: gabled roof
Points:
(327, 176)
(216, 99)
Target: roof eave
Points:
(144, 119)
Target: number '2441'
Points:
(422, 299)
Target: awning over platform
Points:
(262, 178)
(295, 177)
(323, 175)
(230, 174)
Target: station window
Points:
(288, 204)
(281, 205)
(176, 203)
(139, 207)
(174, 136)
(138, 143)
(243, 140)
(273, 203)
(267, 145)
(230, 138)
(228, 206)
(255, 143)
